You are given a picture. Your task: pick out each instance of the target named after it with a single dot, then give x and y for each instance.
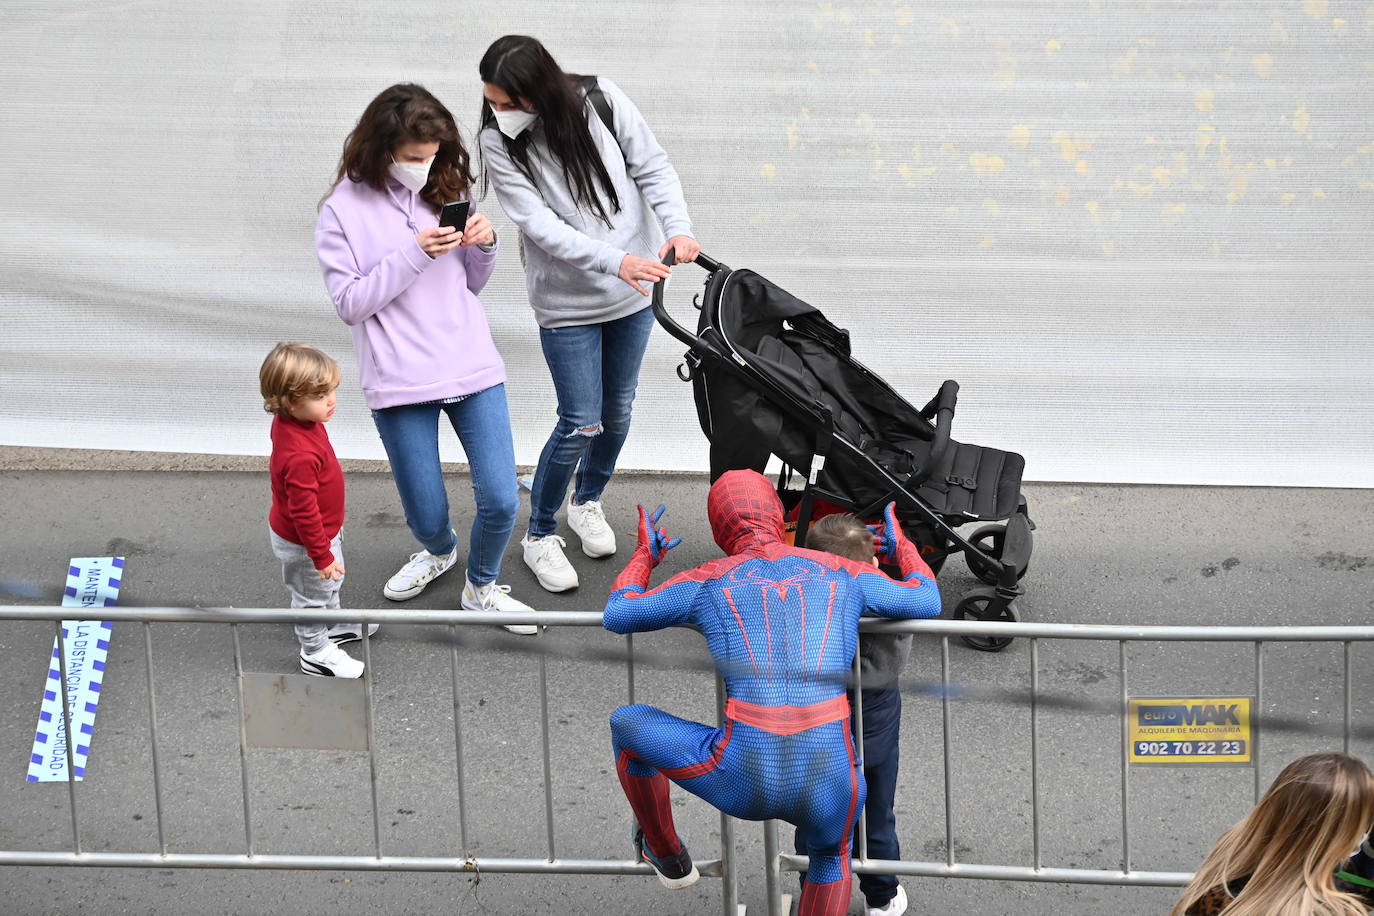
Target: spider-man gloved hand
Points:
(653, 544)
(891, 544)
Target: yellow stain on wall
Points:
(1081, 167)
(1318, 193)
(1108, 249)
(1315, 8)
(1264, 64)
(951, 211)
(1173, 210)
(868, 37)
(1150, 140)
(1051, 46)
(1288, 199)
(1091, 207)
(1034, 163)
(1162, 176)
(949, 149)
(1204, 99)
(1020, 135)
(1278, 32)
(905, 171)
(952, 27)
(1232, 197)
(1340, 26)
(1006, 76)
(792, 135)
(1366, 150)
(1301, 119)
(1367, 185)
(1203, 139)
(905, 16)
(1062, 196)
(988, 241)
(766, 171)
(986, 165)
(990, 205)
(1068, 148)
(813, 66)
(930, 170)
(1122, 65)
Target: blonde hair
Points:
(293, 372)
(843, 534)
(1290, 845)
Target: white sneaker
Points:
(421, 569)
(894, 907)
(589, 523)
(493, 597)
(544, 556)
(331, 661)
(341, 633)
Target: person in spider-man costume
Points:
(781, 624)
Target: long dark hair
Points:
(524, 69)
(407, 113)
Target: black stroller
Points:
(772, 376)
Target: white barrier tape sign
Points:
(92, 582)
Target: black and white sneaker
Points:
(342, 633)
(675, 871)
(331, 661)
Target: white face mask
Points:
(513, 123)
(414, 175)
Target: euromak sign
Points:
(1194, 730)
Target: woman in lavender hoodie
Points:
(408, 289)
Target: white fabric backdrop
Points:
(1137, 232)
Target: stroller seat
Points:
(972, 481)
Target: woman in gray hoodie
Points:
(594, 197)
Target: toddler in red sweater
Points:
(306, 520)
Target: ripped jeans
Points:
(595, 369)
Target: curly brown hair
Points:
(400, 114)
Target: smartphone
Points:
(455, 214)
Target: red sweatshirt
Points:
(307, 487)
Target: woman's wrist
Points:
(491, 246)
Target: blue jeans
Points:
(595, 369)
(410, 434)
(882, 712)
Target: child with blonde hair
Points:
(305, 523)
(1291, 855)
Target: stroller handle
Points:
(711, 265)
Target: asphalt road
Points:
(1128, 555)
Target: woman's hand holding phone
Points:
(438, 240)
(478, 231)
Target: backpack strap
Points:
(599, 102)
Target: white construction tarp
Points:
(1137, 232)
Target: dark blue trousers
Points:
(882, 714)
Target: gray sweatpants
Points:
(307, 589)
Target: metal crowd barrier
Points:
(725, 867)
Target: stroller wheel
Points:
(990, 539)
(983, 606)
